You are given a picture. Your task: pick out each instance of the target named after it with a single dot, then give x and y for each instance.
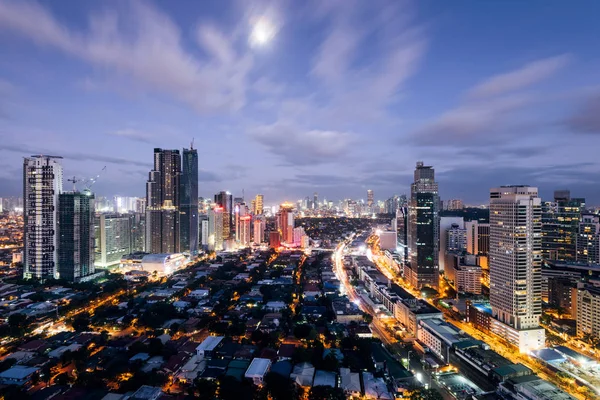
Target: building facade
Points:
(560, 226)
(162, 203)
(113, 239)
(478, 237)
(42, 184)
(515, 265)
(423, 229)
(76, 235)
(189, 201)
(588, 311)
(225, 201)
(588, 239)
(259, 230)
(285, 222)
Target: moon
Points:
(263, 31)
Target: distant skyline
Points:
(287, 98)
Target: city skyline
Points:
(419, 81)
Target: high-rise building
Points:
(225, 201)
(515, 265)
(401, 230)
(189, 201)
(113, 239)
(454, 204)
(285, 222)
(259, 231)
(560, 226)
(446, 224)
(370, 198)
(588, 239)
(587, 310)
(423, 229)
(162, 199)
(137, 237)
(478, 237)
(204, 232)
(42, 184)
(315, 200)
(258, 204)
(215, 228)
(274, 239)
(76, 235)
(456, 238)
(245, 231)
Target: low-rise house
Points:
(303, 374)
(258, 369)
(19, 375)
(350, 382)
(208, 346)
(325, 378)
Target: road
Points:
(378, 326)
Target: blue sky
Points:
(345, 96)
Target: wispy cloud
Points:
(586, 118)
(492, 111)
(149, 50)
(298, 146)
(527, 75)
(132, 134)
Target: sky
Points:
(287, 98)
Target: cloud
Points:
(303, 146)
(132, 134)
(492, 111)
(586, 118)
(523, 77)
(361, 88)
(145, 46)
(208, 176)
(26, 151)
(472, 122)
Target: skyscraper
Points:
(113, 239)
(189, 201)
(215, 228)
(423, 229)
(162, 203)
(259, 230)
(285, 222)
(76, 235)
(515, 265)
(258, 204)
(478, 237)
(588, 239)
(225, 201)
(370, 198)
(42, 184)
(560, 225)
(316, 201)
(245, 232)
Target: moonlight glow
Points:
(263, 32)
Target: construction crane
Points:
(88, 183)
(74, 180)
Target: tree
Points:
(280, 387)
(231, 389)
(206, 388)
(81, 322)
(18, 323)
(326, 393)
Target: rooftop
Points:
(258, 367)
